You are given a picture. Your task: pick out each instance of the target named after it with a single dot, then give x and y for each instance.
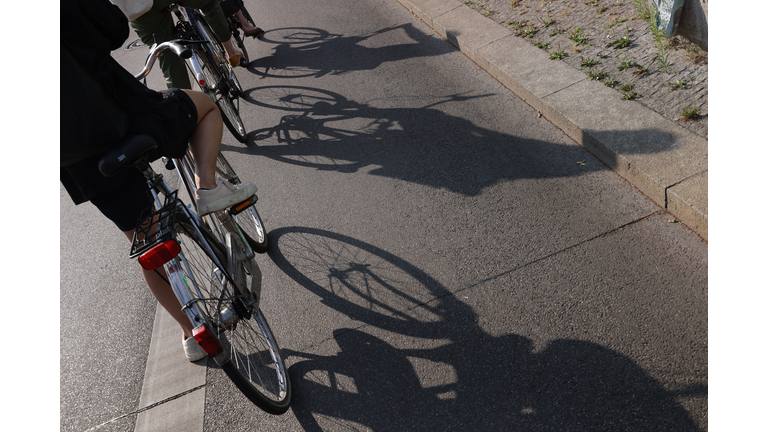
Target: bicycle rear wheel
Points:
(238, 39)
(255, 364)
(223, 86)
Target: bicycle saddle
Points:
(128, 151)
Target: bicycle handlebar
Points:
(178, 46)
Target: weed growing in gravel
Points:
(610, 82)
(626, 64)
(542, 45)
(694, 53)
(659, 36)
(558, 55)
(547, 21)
(615, 22)
(619, 43)
(556, 31)
(630, 95)
(597, 75)
(578, 37)
(527, 32)
(692, 112)
(588, 62)
(678, 84)
(642, 9)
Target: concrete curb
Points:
(666, 162)
(168, 380)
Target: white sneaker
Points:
(224, 195)
(192, 349)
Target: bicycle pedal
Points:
(238, 208)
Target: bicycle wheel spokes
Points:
(255, 365)
(203, 278)
(223, 86)
(250, 223)
(249, 220)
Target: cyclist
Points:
(156, 26)
(235, 7)
(90, 29)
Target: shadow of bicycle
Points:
(420, 361)
(299, 52)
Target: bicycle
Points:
(235, 28)
(211, 267)
(208, 63)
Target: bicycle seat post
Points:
(154, 179)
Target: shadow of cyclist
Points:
(307, 52)
(447, 373)
(326, 131)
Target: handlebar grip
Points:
(185, 53)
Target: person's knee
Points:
(203, 103)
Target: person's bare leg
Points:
(229, 47)
(164, 294)
(244, 22)
(206, 140)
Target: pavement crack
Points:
(148, 407)
(573, 246)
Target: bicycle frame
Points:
(226, 230)
(162, 195)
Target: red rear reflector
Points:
(206, 340)
(159, 255)
(202, 82)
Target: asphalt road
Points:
(442, 257)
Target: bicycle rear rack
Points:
(143, 239)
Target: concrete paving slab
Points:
(645, 148)
(639, 144)
(168, 375)
(517, 66)
(425, 10)
(689, 201)
(468, 30)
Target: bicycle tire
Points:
(224, 92)
(248, 220)
(239, 40)
(265, 382)
(247, 16)
(255, 364)
(226, 69)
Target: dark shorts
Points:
(124, 201)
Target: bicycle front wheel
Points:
(248, 220)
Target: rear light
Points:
(206, 340)
(159, 255)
